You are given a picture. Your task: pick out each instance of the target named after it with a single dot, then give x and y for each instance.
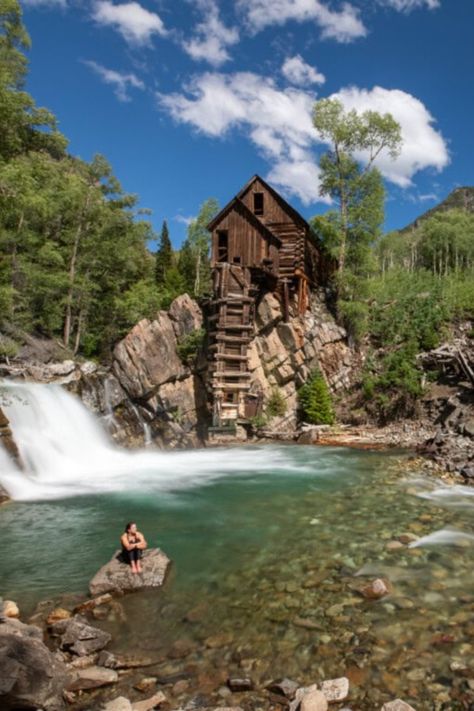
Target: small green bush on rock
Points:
(189, 346)
(276, 406)
(315, 401)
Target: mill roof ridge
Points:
(238, 198)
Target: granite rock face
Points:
(117, 576)
(30, 675)
(282, 355)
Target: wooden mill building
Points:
(259, 244)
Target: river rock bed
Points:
(358, 596)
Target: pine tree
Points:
(315, 400)
(164, 256)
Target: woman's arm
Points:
(125, 542)
(141, 541)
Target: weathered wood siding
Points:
(247, 245)
(272, 211)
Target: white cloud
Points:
(120, 81)
(278, 122)
(342, 25)
(184, 219)
(298, 72)
(212, 37)
(409, 5)
(136, 24)
(423, 146)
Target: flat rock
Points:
(91, 678)
(314, 701)
(336, 689)
(151, 703)
(117, 576)
(58, 614)
(397, 705)
(78, 637)
(118, 704)
(242, 684)
(89, 605)
(285, 687)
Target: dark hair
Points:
(128, 526)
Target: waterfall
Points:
(66, 452)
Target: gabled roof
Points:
(283, 204)
(237, 204)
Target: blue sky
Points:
(188, 99)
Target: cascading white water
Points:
(65, 452)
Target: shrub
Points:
(276, 406)
(189, 346)
(8, 347)
(315, 400)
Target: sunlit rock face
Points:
(282, 355)
(151, 393)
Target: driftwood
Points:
(451, 357)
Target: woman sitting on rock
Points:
(133, 543)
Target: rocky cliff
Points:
(151, 393)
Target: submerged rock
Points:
(336, 689)
(376, 589)
(31, 676)
(91, 678)
(117, 576)
(397, 705)
(314, 701)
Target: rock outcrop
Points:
(117, 576)
(31, 676)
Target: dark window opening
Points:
(237, 260)
(230, 397)
(258, 203)
(222, 246)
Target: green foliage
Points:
(190, 345)
(258, 421)
(195, 263)
(164, 257)
(276, 405)
(358, 191)
(8, 347)
(315, 400)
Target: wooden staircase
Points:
(230, 329)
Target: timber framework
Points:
(259, 244)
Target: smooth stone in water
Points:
(118, 704)
(148, 704)
(336, 689)
(91, 678)
(397, 705)
(117, 576)
(376, 589)
(314, 701)
(286, 687)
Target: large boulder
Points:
(117, 576)
(78, 637)
(147, 357)
(185, 315)
(31, 677)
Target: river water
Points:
(270, 546)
